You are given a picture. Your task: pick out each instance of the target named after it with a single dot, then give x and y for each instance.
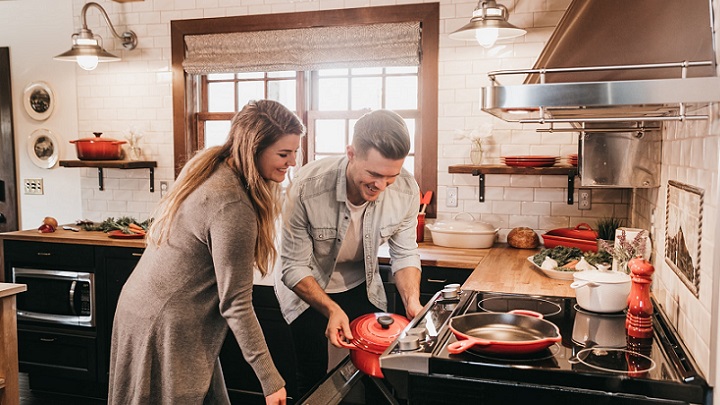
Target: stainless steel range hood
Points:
(616, 60)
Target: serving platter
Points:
(556, 274)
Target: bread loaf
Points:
(523, 238)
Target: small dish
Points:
(117, 234)
(558, 275)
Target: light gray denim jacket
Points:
(316, 218)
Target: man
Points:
(337, 213)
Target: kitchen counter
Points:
(500, 269)
(82, 237)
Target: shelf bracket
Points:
(571, 186)
(100, 179)
(152, 179)
(481, 184)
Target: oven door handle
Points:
(73, 285)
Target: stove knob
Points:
(420, 333)
(407, 343)
(449, 293)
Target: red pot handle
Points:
(580, 227)
(462, 345)
(526, 312)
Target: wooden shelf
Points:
(114, 164)
(482, 170)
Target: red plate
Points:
(531, 157)
(117, 234)
(530, 164)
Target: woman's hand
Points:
(278, 397)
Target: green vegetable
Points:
(112, 224)
(597, 258)
(561, 254)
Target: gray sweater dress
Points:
(175, 309)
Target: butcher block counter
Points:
(500, 269)
(81, 237)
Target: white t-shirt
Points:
(349, 270)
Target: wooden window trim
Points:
(428, 14)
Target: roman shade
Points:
(389, 44)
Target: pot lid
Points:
(95, 139)
(581, 231)
(375, 332)
(598, 276)
(463, 226)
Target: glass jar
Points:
(476, 153)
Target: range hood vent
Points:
(616, 61)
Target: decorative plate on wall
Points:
(43, 148)
(39, 100)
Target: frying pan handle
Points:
(526, 312)
(462, 345)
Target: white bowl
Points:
(463, 234)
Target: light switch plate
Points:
(33, 186)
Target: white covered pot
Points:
(458, 233)
(601, 291)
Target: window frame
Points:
(186, 88)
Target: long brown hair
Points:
(253, 129)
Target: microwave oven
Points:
(56, 296)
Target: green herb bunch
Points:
(606, 227)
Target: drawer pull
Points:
(435, 280)
(44, 254)
(48, 339)
(137, 254)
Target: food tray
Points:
(558, 275)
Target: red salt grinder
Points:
(640, 307)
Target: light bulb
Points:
(486, 37)
(87, 62)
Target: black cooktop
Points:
(595, 352)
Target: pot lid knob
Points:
(385, 321)
(97, 134)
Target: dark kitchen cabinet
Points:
(432, 280)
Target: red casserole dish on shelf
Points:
(582, 237)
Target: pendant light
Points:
(487, 25)
(87, 49)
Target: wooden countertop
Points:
(500, 269)
(8, 289)
(80, 238)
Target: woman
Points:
(195, 278)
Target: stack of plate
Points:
(572, 159)
(530, 160)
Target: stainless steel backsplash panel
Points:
(620, 159)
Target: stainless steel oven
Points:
(56, 296)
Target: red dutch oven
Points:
(98, 148)
(372, 334)
(582, 237)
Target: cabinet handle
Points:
(137, 254)
(47, 339)
(44, 253)
(435, 280)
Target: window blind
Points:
(389, 44)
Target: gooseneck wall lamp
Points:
(87, 48)
(487, 25)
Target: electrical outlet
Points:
(584, 200)
(163, 188)
(451, 197)
(33, 186)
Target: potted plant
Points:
(606, 228)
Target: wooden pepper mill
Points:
(640, 307)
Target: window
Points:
(328, 100)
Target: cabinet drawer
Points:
(71, 356)
(435, 278)
(52, 254)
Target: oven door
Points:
(62, 297)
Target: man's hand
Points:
(338, 327)
(413, 309)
